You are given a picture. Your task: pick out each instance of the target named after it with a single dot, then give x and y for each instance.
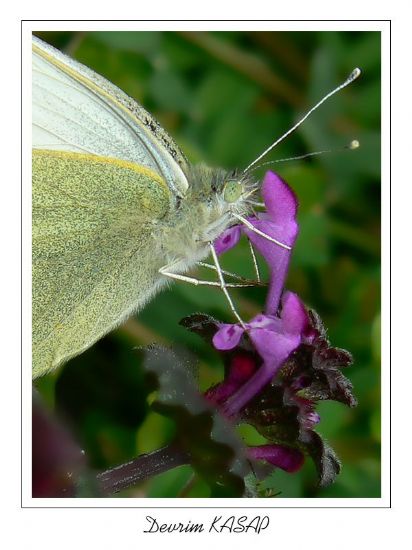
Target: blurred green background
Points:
(224, 97)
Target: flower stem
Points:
(141, 468)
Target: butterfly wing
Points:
(104, 176)
(95, 258)
(75, 109)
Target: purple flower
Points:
(242, 367)
(274, 339)
(279, 223)
(274, 336)
(280, 362)
(284, 410)
(288, 459)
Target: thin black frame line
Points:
(209, 20)
(21, 264)
(390, 264)
(210, 507)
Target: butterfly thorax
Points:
(203, 213)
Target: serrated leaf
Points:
(326, 461)
(215, 451)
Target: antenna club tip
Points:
(354, 144)
(355, 73)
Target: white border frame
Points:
(232, 503)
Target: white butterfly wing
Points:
(77, 110)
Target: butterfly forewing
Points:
(77, 110)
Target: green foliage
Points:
(225, 97)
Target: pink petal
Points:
(294, 316)
(274, 348)
(281, 202)
(228, 239)
(227, 337)
(286, 458)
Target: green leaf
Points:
(326, 461)
(215, 451)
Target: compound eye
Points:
(232, 191)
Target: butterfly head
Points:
(215, 194)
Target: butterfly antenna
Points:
(354, 144)
(353, 76)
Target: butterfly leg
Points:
(246, 282)
(255, 264)
(167, 271)
(223, 285)
(258, 232)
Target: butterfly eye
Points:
(232, 191)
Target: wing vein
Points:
(91, 95)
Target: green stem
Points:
(141, 468)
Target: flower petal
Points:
(294, 316)
(274, 348)
(241, 368)
(280, 224)
(227, 337)
(280, 201)
(228, 239)
(268, 322)
(286, 458)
